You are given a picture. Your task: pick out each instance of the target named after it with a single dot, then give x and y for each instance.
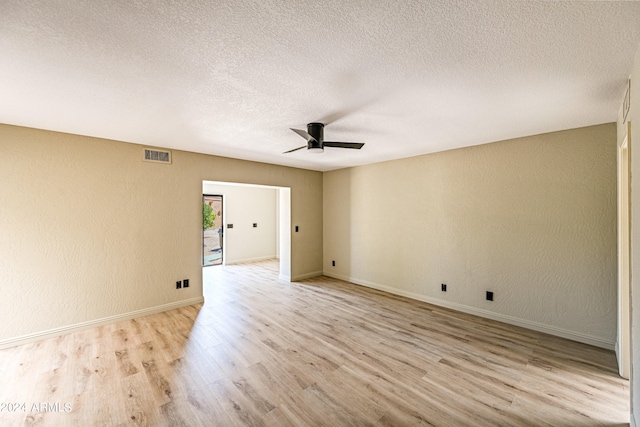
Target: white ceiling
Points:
(230, 78)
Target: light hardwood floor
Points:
(320, 352)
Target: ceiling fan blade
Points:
(351, 108)
(336, 115)
(354, 145)
(304, 134)
(295, 149)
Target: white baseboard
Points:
(64, 330)
(306, 276)
(246, 260)
(548, 329)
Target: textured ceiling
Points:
(230, 78)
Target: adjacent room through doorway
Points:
(246, 223)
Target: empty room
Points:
(319, 213)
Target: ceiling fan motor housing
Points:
(316, 130)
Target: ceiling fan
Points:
(315, 140)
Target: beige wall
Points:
(89, 231)
(531, 219)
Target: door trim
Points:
(623, 344)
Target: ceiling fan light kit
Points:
(315, 140)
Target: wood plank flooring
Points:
(322, 352)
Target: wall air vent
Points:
(157, 156)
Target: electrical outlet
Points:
(255, 224)
(179, 284)
(489, 296)
(443, 287)
(333, 263)
(185, 283)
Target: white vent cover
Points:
(157, 156)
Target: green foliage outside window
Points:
(207, 216)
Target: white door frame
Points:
(623, 345)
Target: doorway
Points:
(212, 230)
(246, 219)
